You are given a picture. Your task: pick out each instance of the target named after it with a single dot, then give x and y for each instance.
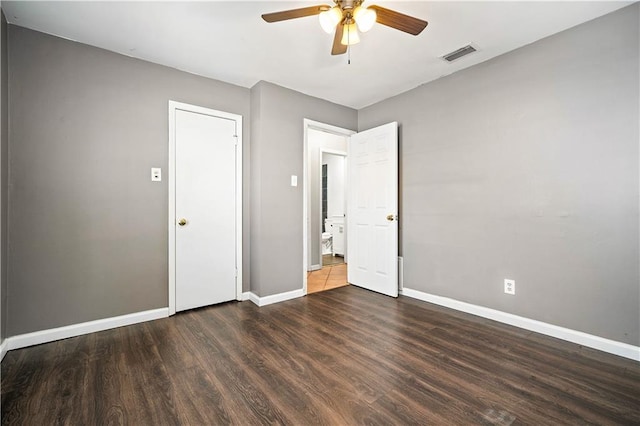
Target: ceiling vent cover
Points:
(457, 54)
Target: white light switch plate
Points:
(294, 180)
(156, 174)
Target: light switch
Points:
(294, 180)
(156, 174)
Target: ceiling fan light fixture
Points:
(350, 35)
(365, 18)
(329, 19)
(347, 17)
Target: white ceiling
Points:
(229, 41)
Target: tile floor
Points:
(327, 278)
(330, 260)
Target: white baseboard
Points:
(254, 298)
(275, 298)
(3, 349)
(52, 334)
(245, 296)
(611, 346)
(315, 267)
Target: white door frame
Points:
(315, 125)
(173, 107)
(346, 198)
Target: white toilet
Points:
(335, 227)
(327, 243)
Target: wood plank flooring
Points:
(342, 357)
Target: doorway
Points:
(333, 230)
(333, 207)
(372, 207)
(325, 149)
(205, 206)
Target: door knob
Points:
(391, 217)
(182, 222)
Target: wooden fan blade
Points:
(338, 48)
(294, 13)
(398, 20)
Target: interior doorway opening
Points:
(325, 206)
(333, 207)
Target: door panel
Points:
(373, 244)
(205, 247)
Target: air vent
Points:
(457, 54)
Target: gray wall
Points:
(4, 173)
(526, 167)
(88, 234)
(276, 206)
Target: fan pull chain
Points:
(348, 47)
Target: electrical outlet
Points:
(509, 286)
(156, 174)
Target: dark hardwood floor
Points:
(345, 356)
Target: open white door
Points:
(372, 209)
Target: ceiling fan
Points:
(346, 17)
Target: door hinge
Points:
(235, 137)
(236, 273)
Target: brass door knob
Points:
(182, 222)
(391, 217)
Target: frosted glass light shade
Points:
(350, 35)
(365, 18)
(330, 18)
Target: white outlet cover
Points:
(294, 180)
(510, 286)
(156, 174)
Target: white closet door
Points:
(205, 209)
